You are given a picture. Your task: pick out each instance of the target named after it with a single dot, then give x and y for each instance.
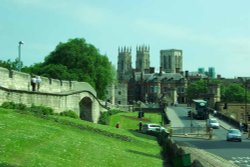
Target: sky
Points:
(211, 33)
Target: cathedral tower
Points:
(142, 58)
(124, 66)
(171, 60)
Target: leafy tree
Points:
(77, 60)
(12, 65)
(234, 93)
(197, 89)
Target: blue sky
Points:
(211, 33)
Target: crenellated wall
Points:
(21, 81)
(60, 95)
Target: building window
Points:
(119, 92)
(119, 102)
(165, 89)
(151, 89)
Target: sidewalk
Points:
(175, 120)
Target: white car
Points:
(152, 128)
(234, 134)
(213, 123)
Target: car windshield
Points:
(234, 131)
(213, 121)
(155, 126)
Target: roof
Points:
(199, 101)
(168, 76)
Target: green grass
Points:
(130, 120)
(27, 140)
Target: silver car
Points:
(234, 135)
(213, 123)
(152, 128)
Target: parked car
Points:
(234, 135)
(146, 128)
(213, 123)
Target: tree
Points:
(197, 90)
(11, 65)
(234, 93)
(77, 60)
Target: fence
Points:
(189, 130)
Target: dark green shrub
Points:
(69, 113)
(9, 105)
(21, 106)
(105, 116)
(12, 105)
(112, 112)
(41, 110)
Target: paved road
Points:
(238, 152)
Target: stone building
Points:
(156, 87)
(117, 94)
(124, 65)
(144, 84)
(142, 58)
(171, 60)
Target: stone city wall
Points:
(22, 81)
(60, 95)
(59, 102)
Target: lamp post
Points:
(19, 65)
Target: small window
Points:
(119, 92)
(119, 102)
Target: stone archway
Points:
(86, 109)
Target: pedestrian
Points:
(241, 126)
(38, 82)
(140, 126)
(215, 112)
(33, 83)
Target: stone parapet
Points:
(22, 81)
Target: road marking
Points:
(241, 161)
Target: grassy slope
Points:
(27, 140)
(130, 120)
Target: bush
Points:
(9, 105)
(21, 106)
(69, 113)
(105, 116)
(41, 110)
(12, 105)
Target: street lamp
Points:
(19, 65)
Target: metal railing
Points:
(189, 130)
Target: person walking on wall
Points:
(38, 82)
(33, 83)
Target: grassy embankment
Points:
(130, 120)
(28, 140)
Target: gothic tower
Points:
(142, 58)
(171, 60)
(124, 66)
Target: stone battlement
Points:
(22, 81)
